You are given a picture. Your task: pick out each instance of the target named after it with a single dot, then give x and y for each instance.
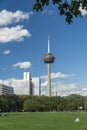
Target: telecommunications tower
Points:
(48, 59)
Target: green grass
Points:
(44, 121)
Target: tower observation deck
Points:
(48, 59)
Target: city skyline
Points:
(23, 43)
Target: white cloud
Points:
(22, 65)
(47, 11)
(44, 84)
(64, 89)
(13, 34)
(83, 11)
(44, 12)
(8, 17)
(7, 81)
(6, 52)
(17, 33)
(59, 86)
(61, 75)
(58, 75)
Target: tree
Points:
(74, 102)
(85, 102)
(69, 9)
(30, 105)
(10, 102)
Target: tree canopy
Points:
(68, 8)
(30, 103)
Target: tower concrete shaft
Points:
(48, 59)
(49, 79)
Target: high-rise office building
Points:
(27, 79)
(36, 86)
(27, 85)
(5, 89)
(27, 75)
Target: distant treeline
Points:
(28, 103)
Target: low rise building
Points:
(5, 89)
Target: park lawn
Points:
(43, 121)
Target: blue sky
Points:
(23, 43)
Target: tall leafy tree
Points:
(75, 102)
(69, 8)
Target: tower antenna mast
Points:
(48, 44)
